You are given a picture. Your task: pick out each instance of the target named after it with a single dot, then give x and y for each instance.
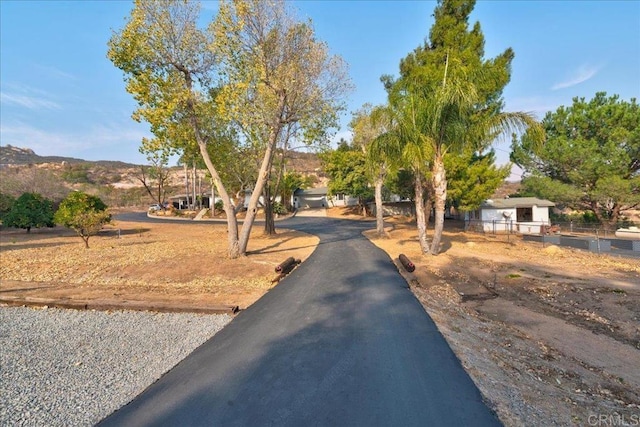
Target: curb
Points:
(104, 305)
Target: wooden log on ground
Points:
(406, 263)
(286, 265)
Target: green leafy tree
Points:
(472, 179)
(370, 126)
(591, 159)
(448, 100)
(277, 75)
(84, 213)
(6, 202)
(30, 210)
(169, 68)
(346, 168)
(401, 184)
(291, 181)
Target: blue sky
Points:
(60, 95)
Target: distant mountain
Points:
(10, 155)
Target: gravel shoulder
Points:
(70, 367)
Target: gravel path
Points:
(73, 368)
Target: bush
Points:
(583, 218)
(278, 208)
(218, 206)
(76, 174)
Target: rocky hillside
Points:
(22, 170)
(10, 155)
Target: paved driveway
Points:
(312, 212)
(340, 342)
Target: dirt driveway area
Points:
(550, 335)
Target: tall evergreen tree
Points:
(450, 99)
(473, 178)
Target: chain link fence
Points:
(592, 237)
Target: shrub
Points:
(279, 208)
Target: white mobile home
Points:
(526, 215)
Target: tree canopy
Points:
(28, 211)
(255, 69)
(591, 160)
(370, 127)
(347, 171)
(472, 178)
(84, 213)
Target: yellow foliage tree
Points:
(255, 68)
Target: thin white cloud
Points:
(27, 97)
(582, 74)
(27, 101)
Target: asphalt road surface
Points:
(341, 341)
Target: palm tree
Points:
(432, 124)
(381, 156)
(408, 127)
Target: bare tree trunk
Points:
(440, 195)
(232, 223)
(428, 207)
(193, 184)
(263, 174)
(608, 222)
(212, 200)
(379, 212)
(420, 217)
(269, 222)
(186, 184)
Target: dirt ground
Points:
(154, 262)
(550, 335)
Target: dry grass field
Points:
(155, 262)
